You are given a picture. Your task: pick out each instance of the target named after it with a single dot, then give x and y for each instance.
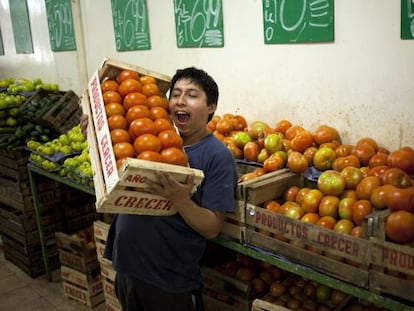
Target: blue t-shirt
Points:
(164, 250)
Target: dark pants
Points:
(136, 295)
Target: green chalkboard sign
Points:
(407, 19)
(130, 20)
(293, 21)
(199, 23)
(1, 44)
(21, 26)
(60, 23)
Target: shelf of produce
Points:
(33, 170)
(281, 262)
(287, 265)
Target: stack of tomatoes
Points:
(354, 179)
(138, 120)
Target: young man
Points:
(157, 258)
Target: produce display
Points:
(274, 285)
(138, 120)
(67, 155)
(20, 85)
(352, 181)
(22, 102)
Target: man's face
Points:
(188, 107)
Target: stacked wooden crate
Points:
(392, 271)
(80, 269)
(18, 223)
(342, 256)
(108, 273)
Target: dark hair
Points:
(200, 78)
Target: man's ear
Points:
(211, 108)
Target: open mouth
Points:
(182, 117)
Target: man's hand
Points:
(168, 187)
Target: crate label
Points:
(76, 293)
(325, 239)
(135, 202)
(100, 230)
(102, 133)
(100, 250)
(393, 256)
(108, 272)
(109, 289)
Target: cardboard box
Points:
(121, 191)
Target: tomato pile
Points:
(138, 120)
(355, 179)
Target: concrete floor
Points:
(19, 292)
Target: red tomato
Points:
(403, 159)
(344, 226)
(366, 186)
(399, 198)
(341, 162)
(301, 193)
(273, 163)
(396, 177)
(331, 182)
(325, 134)
(311, 201)
(378, 170)
(361, 209)
(364, 152)
(329, 206)
(378, 159)
(302, 140)
(399, 227)
(251, 150)
(290, 193)
(297, 162)
(343, 150)
(309, 153)
(377, 197)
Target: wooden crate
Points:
(100, 230)
(223, 292)
(77, 253)
(107, 271)
(120, 191)
(92, 281)
(262, 305)
(17, 195)
(234, 225)
(112, 305)
(77, 262)
(28, 259)
(392, 269)
(82, 295)
(64, 114)
(211, 303)
(339, 255)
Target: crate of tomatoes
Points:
(131, 137)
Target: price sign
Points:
(297, 21)
(407, 19)
(60, 23)
(130, 25)
(21, 26)
(199, 23)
